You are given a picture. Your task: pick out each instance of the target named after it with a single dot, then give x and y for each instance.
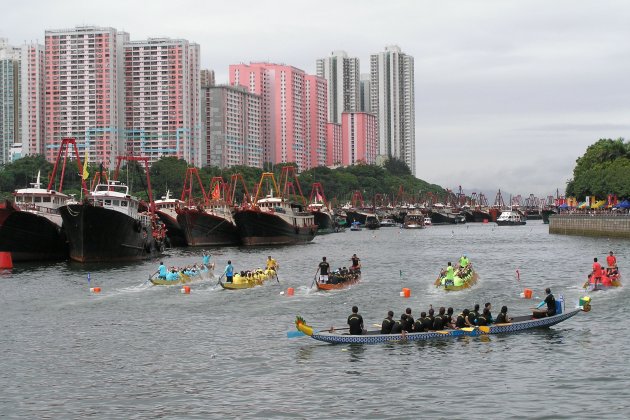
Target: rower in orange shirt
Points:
(596, 275)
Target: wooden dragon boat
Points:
(608, 281)
(340, 281)
(184, 278)
(522, 323)
(467, 280)
(249, 280)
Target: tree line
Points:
(167, 174)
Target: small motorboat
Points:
(355, 226)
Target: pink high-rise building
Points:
(316, 117)
(84, 91)
(359, 138)
(162, 99)
(32, 63)
(284, 112)
(334, 155)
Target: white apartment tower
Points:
(85, 91)
(162, 99)
(392, 100)
(342, 74)
(9, 99)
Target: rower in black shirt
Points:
(461, 319)
(438, 321)
(397, 328)
(449, 318)
(355, 321)
(503, 318)
(483, 318)
(550, 301)
(428, 321)
(388, 323)
(489, 318)
(418, 326)
(408, 325)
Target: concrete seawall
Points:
(605, 225)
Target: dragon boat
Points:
(249, 279)
(183, 278)
(608, 281)
(340, 281)
(522, 323)
(464, 279)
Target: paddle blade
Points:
(484, 329)
(295, 334)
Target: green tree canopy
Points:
(602, 170)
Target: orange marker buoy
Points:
(527, 293)
(290, 291)
(95, 289)
(186, 290)
(5, 260)
(406, 292)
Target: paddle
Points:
(438, 281)
(314, 279)
(220, 277)
(277, 279)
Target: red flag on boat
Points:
(318, 197)
(216, 193)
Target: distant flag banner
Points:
(86, 174)
(216, 193)
(319, 197)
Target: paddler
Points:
(323, 269)
(162, 271)
(463, 261)
(503, 318)
(229, 272)
(356, 263)
(205, 257)
(271, 264)
(550, 301)
(449, 280)
(611, 260)
(388, 323)
(597, 273)
(355, 322)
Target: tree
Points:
(602, 170)
(397, 166)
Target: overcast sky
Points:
(508, 93)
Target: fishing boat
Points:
(355, 226)
(249, 279)
(372, 222)
(441, 215)
(464, 279)
(109, 225)
(320, 209)
(511, 218)
(340, 280)
(166, 210)
(608, 281)
(521, 323)
(388, 222)
(274, 219)
(414, 221)
(207, 221)
(31, 227)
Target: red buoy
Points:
(5, 260)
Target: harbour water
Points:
(142, 351)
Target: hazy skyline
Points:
(508, 93)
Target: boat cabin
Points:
(115, 196)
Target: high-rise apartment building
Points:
(162, 99)
(286, 134)
(316, 117)
(334, 147)
(359, 138)
(392, 100)
(342, 74)
(364, 94)
(84, 91)
(33, 99)
(207, 78)
(9, 99)
(233, 126)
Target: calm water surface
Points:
(141, 351)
